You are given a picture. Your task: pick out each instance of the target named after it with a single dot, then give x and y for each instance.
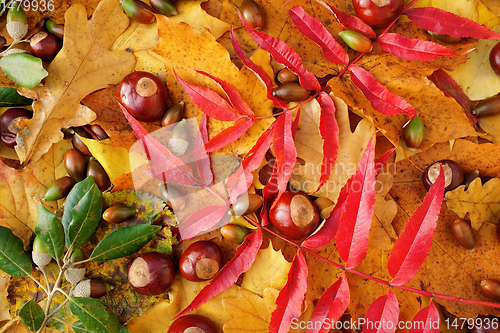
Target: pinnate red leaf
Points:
(331, 305)
(414, 243)
(314, 30)
(446, 23)
(350, 22)
(228, 275)
(382, 313)
(233, 95)
(380, 98)
(269, 195)
(413, 49)
(380, 162)
(201, 221)
(228, 135)
(285, 55)
(284, 149)
(209, 101)
(289, 301)
(202, 159)
(354, 227)
(426, 320)
(259, 72)
(329, 131)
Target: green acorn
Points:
(414, 133)
(75, 272)
(247, 205)
(55, 29)
(165, 7)
(234, 233)
(40, 256)
(138, 11)
(17, 23)
(118, 213)
(356, 41)
(59, 188)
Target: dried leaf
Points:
(74, 74)
(481, 202)
(384, 310)
(412, 49)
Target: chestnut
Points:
(495, 58)
(378, 13)
(143, 95)
(44, 46)
(453, 174)
(8, 138)
(151, 273)
(192, 323)
(201, 261)
(294, 215)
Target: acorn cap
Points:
(41, 259)
(92, 288)
(74, 275)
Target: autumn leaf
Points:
(74, 74)
(429, 316)
(412, 49)
(382, 233)
(384, 310)
(480, 201)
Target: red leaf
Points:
(446, 23)
(202, 159)
(285, 55)
(413, 49)
(380, 162)
(228, 275)
(209, 101)
(259, 72)
(295, 123)
(381, 99)
(350, 22)
(382, 313)
(414, 243)
(284, 149)
(451, 89)
(232, 94)
(329, 131)
(228, 135)
(352, 240)
(201, 221)
(241, 180)
(331, 305)
(162, 159)
(426, 320)
(314, 30)
(289, 301)
(269, 194)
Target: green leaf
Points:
(123, 329)
(32, 315)
(49, 228)
(82, 212)
(24, 69)
(124, 241)
(93, 315)
(10, 97)
(13, 259)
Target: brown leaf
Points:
(74, 74)
(382, 234)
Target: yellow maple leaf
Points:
(481, 202)
(83, 65)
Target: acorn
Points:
(55, 29)
(75, 164)
(173, 114)
(285, 75)
(356, 41)
(252, 13)
(101, 178)
(78, 144)
(246, 205)
(138, 11)
(178, 143)
(265, 174)
(234, 233)
(491, 287)
(59, 188)
(464, 234)
(99, 132)
(75, 273)
(453, 174)
(118, 213)
(414, 133)
(445, 38)
(40, 255)
(94, 288)
(291, 92)
(487, 107)
(164, 7)
(17, 23)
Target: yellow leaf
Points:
(491, 125)
(83, 65)
(382, 234)
(270, 269)
(481, 202)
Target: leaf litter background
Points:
(195, 40)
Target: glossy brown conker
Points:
(8, 138)
(151, 273)
(192, 323)
(378, 13)
(201, 261)
(453, 174)
(44, 46)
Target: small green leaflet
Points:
(9, 97)
(32, 315)
(24, 69)
(124, 241)
(13, 259)
(93, 315)
(50, 229)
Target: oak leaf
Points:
(83, 65)
(480, 201)
(382, 233)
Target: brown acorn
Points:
(75, 164)
(101, 178)
(285, 75)
(94, 288)
(291, 92)
(356, 41)
(99, 132)
(491, 287)
(78, 144)
(173, 114)
(118, 213)
(234, 233)
(247, 204)
(252, 13)
(487, 107)
(59, 188)
(464, 234)
(138, 11)
(55, 29)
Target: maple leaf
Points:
(83, 65)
